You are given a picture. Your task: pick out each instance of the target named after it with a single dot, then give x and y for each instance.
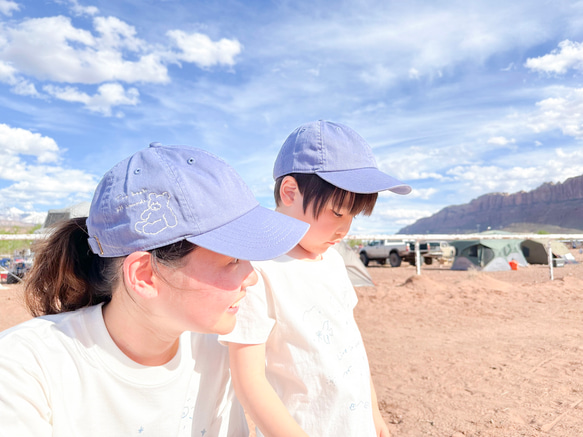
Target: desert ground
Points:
(464, 353)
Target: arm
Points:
(379, 422)
(256, 394)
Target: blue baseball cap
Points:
(164, 194)
(338, 155)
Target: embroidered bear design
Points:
(158, 216)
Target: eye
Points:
(235, 261)
(337, 214)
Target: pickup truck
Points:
(383, 250)
(396, 251)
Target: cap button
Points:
(155, 144)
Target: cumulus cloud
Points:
(379, 76)
(401, 216)
(8, 6)
(41, 181)
(17, 141)
(199, 49)
(422, 193)
(43, 185)
(107, 96)
(53, 50)
(501, 141)
(562, 113)
(480, 179)
(82, 10)
(568, 55)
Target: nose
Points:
(251, 278)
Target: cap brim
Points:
(260, 234)
(364, 181)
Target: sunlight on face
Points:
(204, 294)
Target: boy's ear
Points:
(288, 190)
(139, 274)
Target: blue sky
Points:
(456, 98)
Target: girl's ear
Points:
(289, 191)
(139, 274)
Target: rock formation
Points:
(552, 205)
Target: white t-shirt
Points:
(63, 375)
(315, 357)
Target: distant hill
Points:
(14, 217)
(552, 207)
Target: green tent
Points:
(487, 255)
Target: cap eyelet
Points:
(137, 171)
(191, 161)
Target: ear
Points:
(289, 191)
(139, 274)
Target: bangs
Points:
(355, 203)
(318, 193)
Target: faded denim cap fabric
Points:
(164, 194)
(338, 155)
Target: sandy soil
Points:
(465, 353)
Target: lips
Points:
(235, 306)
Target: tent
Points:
(535, 251)
(57, 215)
(487, 255)
(357, 272)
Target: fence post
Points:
(417, 257)
(550, 258)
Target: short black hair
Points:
(317, 192)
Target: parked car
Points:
(383, 250)
(396, 251)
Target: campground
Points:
(464, 353)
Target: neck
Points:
(300, 253)
(134, 332)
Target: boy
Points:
(298, 362)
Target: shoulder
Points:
(41, 333)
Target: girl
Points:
(119, 294)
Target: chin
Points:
(223, 330)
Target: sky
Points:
(456, 98)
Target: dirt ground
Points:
(465, 353)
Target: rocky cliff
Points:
(556, 206)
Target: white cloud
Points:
(400, 216)
(7, 7)
(501, 141)
(564, 113)
(52, 49)
(476, 179)
(17, 141)
(379, 76)
(7, 73)
(107, 96)
(422, 193)
(42, 182)
(41, 185)
(568, 55)
(199, 49)
(82, 10)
